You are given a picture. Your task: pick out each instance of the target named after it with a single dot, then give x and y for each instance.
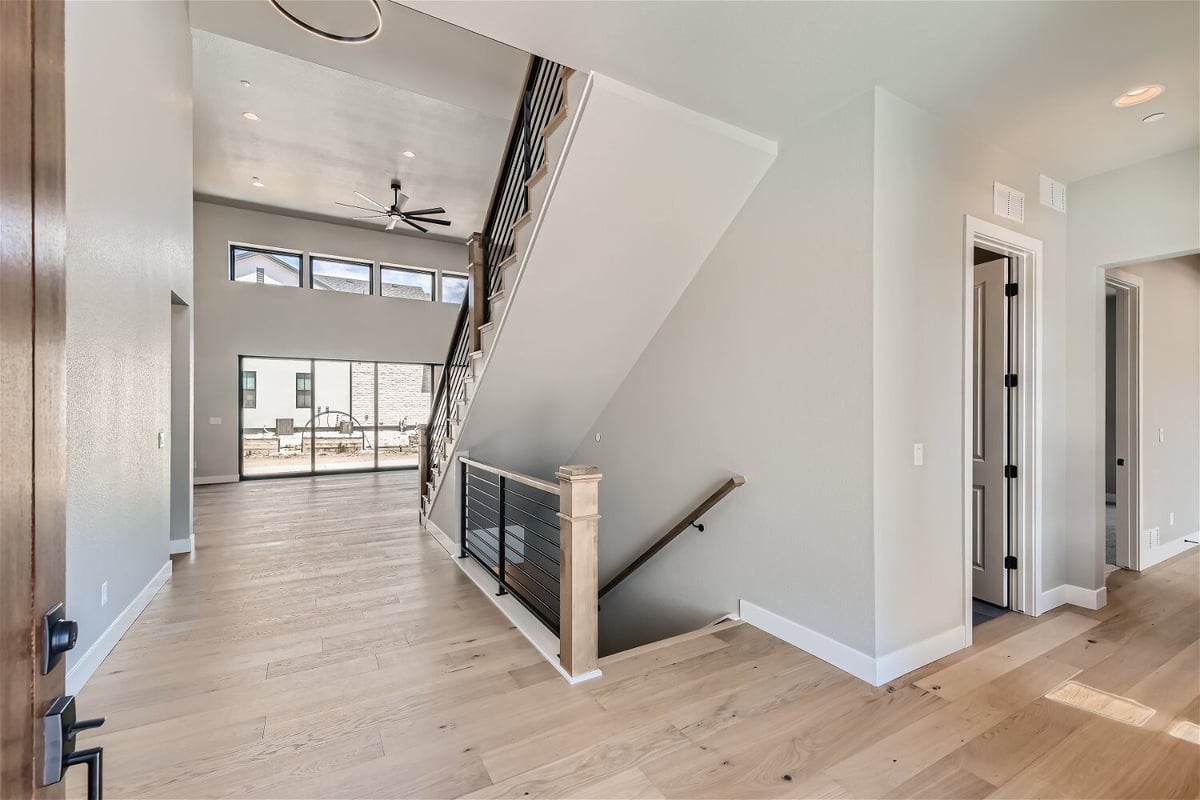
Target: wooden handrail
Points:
(679, 528)
(537, 483)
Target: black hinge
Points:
(1010, 562)
(1010, 380)
(1010, 470)
(1010, 290)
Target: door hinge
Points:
(1010, 380)
(1010, 290)
(1010, 470)
(1010, 562)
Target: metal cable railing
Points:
(510, 526)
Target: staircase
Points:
(608, 203)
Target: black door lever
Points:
(58, 752)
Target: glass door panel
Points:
(404, 396)
(275, 416)
(344, 430)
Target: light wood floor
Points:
(318, 644)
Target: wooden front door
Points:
(32, 415)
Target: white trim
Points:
(844, 657)
(875, 671)
(87, 664)
(1027, 252)
(906, 659)
(180, 546)
(1091, 599)
(201, 480)
(1157, 555)
(537, 633)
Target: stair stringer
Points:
(643, 191)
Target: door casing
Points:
(1026, 253)
(1129, 416)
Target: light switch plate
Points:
(918, 454)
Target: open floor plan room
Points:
(320, 644)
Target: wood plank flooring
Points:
(319, 644)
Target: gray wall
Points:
(927, 176)
(235, 319)
(1142, 212)
(763, 368)
(1170, 308)
(129, 246)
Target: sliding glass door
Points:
(316, 416)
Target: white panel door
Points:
(987, 495)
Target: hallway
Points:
(319, 644)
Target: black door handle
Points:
(58, 752)
(1120, 462)
(93, 757)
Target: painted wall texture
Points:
(129, 247)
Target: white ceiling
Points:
(1036, 78)
(335, 118)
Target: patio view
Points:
(306, 416)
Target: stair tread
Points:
(537, 175)
(558, 119)
(707, 630)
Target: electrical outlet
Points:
(1161, 435)
(1171, 519)
(918, 454)
(104, 593)
(162, 440)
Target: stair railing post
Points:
(476, 289)
(579, 520)
(462, 509)
(502, 556)
(422, 461)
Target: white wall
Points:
(1143, 212)
(763, 368)
(235, 319)
(1170, 308)
(129, 246)
(927, 176)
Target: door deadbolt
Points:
(59, 635)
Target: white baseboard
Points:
(875, 671)
(906, 659)
(179, 546)
(201, 480)
(533, 630)
(1092, 599)
(89, 662)
(844, 657)
(1157, 555)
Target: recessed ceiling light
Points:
(250, 115)
(1139, 95)
(1155, 117)
(245, 83)
(256, 182)
(409, 154)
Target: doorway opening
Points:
(1122, 419)
(1001, 441)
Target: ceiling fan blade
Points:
(429, 221)
(423, 211)
(369, 200)
(415, 225)
(373, 216)
(391, 224)
(360, 208)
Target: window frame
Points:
(443, 274)
(308, 390)
(254, 389)
(269, 251)
(434, 279)
(358, 262)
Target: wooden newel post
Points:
(422, 460)
(476, 289)
(579, 520)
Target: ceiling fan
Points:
(396, 213)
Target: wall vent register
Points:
(1008, 203)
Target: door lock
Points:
(59, 727)
(1120, 462)
(59, 635)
